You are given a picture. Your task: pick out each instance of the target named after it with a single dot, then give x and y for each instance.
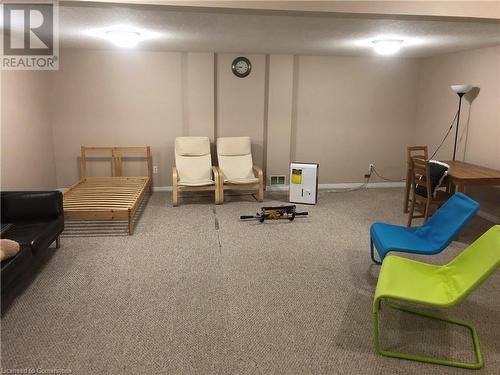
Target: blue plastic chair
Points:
(432, 237)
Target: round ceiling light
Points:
(387, 46)
(123, 38)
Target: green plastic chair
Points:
(437, 286)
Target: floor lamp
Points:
(460, 90)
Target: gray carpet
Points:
(180, 297)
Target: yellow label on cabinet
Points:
(296, 176)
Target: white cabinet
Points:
(304, 182)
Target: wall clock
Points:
(241, 67)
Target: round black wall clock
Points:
(241, 67)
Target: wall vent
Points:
(278, 180)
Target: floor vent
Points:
(278, 180)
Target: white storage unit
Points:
(304, 183)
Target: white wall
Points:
(353, 111)
(241, 102)
(119, 98)
(27, 155)
(343, 112)
(479, 132)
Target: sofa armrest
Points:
(31, 205)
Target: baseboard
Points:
(489, 217)
(371, 185)
(340, 186)
(277, 188)
(162, 188)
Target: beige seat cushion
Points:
(196, 183)
(193, 161)
(235, 159)
(8, 249)
(242, 180)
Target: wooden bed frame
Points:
(108, 198)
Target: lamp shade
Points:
(461, 89)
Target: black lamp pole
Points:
(460, 94)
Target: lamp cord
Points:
(361, 186)
(446, 135)
(385, 178)
(435, 152)
(364, 184)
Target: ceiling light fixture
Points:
(123, 38)
(387, 46)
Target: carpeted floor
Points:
(180, 297)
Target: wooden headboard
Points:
(116, 158)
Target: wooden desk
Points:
(462, 173)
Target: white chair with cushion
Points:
(193, 169)
(236, 167)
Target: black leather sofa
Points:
(37, 220)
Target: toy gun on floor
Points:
(275, 213)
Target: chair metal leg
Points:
(58, 243)
(372, 253)
(414, 357)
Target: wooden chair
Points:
(236, 169)
(193, 169)
(420, 176)
(410, 152)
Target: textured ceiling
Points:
(253, 32)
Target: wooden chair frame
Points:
(108, 198)
(259, 186)
(176, 188)
(421, 176)
(411, 151)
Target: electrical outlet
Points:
(370, 169)
(155, 169)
